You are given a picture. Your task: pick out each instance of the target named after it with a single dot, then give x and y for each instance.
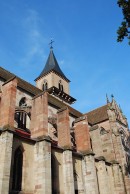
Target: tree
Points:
(124, 29)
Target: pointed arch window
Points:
(17, 170)
(61, 86)
(22, 102)
(45, 85)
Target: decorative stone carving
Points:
(126, 144)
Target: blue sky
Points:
(85, 46)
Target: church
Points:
(48, 147)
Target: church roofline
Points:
(24, 85)
(53, 71)
(98, 115)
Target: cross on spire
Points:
(51, 47)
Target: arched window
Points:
(22, 102)
(45, 85)
(17, 170)
(60, 86)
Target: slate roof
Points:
(6, 75)
(98, 115)
(52, 65)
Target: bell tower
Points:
(53, 80)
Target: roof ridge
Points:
(21, 82)
(8, 71)
(96, 108)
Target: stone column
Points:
(8, 103)
(89, 174)
(68, 172)
(42, 159)
(6, 140)
(39, 117)
(111, 178)
(64, 141)
(63, 128)
(118, 179)
(82, 137)
(96, 140)
(103, 180)
(127, 183)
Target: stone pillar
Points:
(126, 182)
(39, 117)
(89, 174)
(118, 179)
(68, 172)
(63, 128)
(64, 140)
(42, 159)
(96, 140)
(8, 103)
(6, 140)
(82, 136)
(83, 145)
(110, 178)
(103, 180)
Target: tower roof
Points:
(52, 65)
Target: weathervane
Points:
(51, 47)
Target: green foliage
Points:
(124, 29)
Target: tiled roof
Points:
(6, 75)
(98, 115)
(52, 65)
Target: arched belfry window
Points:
(17, 170)
(45, 85)
(60, 86)
(22, 102)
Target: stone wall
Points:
(53, 80)
(6, 141)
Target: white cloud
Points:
(34, 47)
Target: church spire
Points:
(52, 66)
(53, 80)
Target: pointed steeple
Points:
(53, 80)
(52, 65)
